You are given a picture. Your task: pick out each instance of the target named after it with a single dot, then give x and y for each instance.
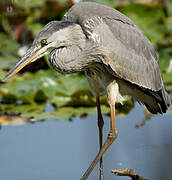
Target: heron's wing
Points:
(128, 52)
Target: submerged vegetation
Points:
(40, 93)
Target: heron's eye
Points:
(43, 42)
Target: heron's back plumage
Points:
(129, 55)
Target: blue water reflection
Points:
(62, 150)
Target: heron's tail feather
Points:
(162, 100)
(166, 98)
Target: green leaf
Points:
(45, 85)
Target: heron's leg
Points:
(100, 125)
(112, 91)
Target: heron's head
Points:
(56, 34)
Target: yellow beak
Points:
(31, 55)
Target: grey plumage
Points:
(129, 48)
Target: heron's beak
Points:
(31, 55)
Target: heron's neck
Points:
(64, 60)
(74, 58)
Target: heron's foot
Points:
(101, 177)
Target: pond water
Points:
(63, 150)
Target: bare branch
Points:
(128, 172)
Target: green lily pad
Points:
(36, 112)
(45, 85)
(34, 90)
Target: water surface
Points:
(63, 150)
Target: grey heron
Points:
(114, 54)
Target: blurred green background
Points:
(38, 92)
